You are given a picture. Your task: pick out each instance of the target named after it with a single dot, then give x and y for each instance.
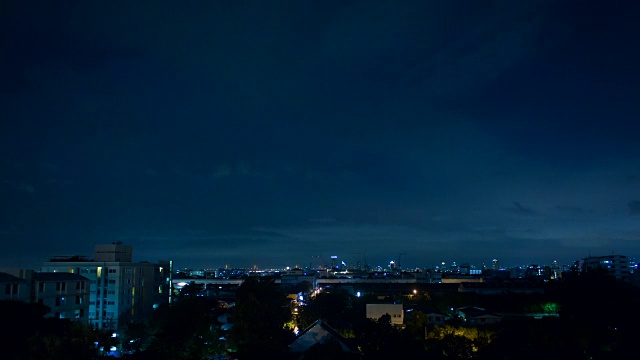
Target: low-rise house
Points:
(478, 316)
(436, 318)
(320, 333)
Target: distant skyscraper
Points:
(495, 265)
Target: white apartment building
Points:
(615, 265)
(120, 290)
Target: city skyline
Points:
(258, 133)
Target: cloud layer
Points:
(225, 133)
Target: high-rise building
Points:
(615, 265)
(495, 265)
(120, 290)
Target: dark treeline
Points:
(597, 319)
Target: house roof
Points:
(422, 308)
(8, 278)
(501, 285)
(318, 333)
(58, 276)
(476, 312)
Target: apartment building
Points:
(120, 290)
(13, 287)
(65, 294)
(615, 265)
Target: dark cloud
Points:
(572, 210)
(26, 187)
(230, 131)
(634, 207)
(519, 209)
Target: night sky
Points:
(242, 133)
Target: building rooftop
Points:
(320, 333)
(58, 276)
(5, 278)
(73, 258)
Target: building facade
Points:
(13, 287)
(120, 290)
(615, 265)
(66, 294)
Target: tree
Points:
(379, 340)
(374, 336)
(329, 350)
(136, 337)
(456, 346)
(27, 334)
(183, 330)
(190, 290)
(333, 308)
(260, 314)
(417, 324)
